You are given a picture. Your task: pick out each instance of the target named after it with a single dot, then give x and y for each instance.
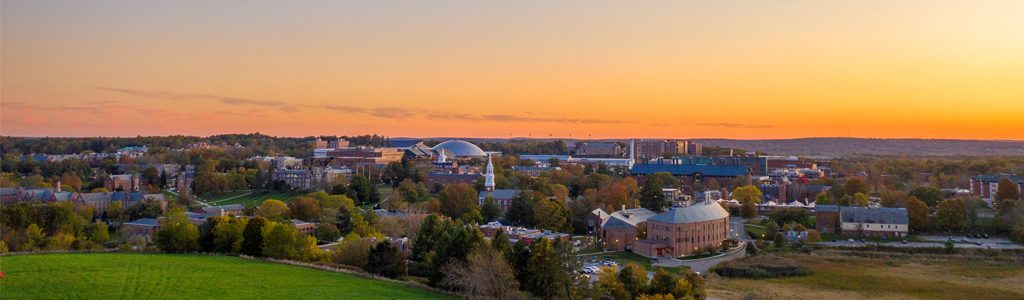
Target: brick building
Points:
(123, 182)
(862, 221)
(600, 149)
(684, 230)
(986, 186)
(619, 230)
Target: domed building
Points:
(460, 148)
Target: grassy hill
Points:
(134, 276)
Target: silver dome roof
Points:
(461, 148)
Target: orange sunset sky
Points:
(599, 69)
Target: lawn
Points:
(757, 230)
(846, 277)
(250, 198)
(130, 276)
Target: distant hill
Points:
(840, 147)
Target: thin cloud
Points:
(736, 125)
(379, 112)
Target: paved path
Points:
(235, 197)
(193, 198)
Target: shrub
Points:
(766, 266)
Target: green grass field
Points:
(169, 276)
(250, 198)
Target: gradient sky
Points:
(732, 69)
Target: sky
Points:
(577, 69)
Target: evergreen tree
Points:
(386, 260)
(651, 196)
(252, 236)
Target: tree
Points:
(917, 213)
(860, 199)
(279, 241)
(780, 241)
(97, 232)
(930, 195)
(386, 260)
(485, 275)
(458, 199)
(252, 236)
(747, 194)
(327, 232)
(151, 176)
(176, 234)
(771, 230)
(273, 210)
(634, 279)
(306, 209)
(823, 199)
(228, 236)
(353, 251)
(749, 210)
(788, 215)
(893, 198)
(550, 214)
(608, 282)
(520, 211)
(662, 282)
(951, 214)
(1007, 190)
(361, 190)
(490, 211)
(206, 230)
(855, 185)
(33, 238)
(147, 208)
(344, 220)
(651, 195)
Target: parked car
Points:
(850, 240)
(904, 241)
(977, 243)
(985, 235)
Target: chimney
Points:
(623, 207)
(58, 185)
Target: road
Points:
(985, 243)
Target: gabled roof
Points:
(150, 222)
(826, 208)
(600, 213)
(882, 215)
(500, 194)
(693, 213)
(629, 218)
(690, 170)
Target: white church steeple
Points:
(489, 175)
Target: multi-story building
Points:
(100, 202)
(862, 221)
(600, 149)
(986, 186)
(650, 149)
(693, 148)
(352, 156)
(684, 231)
(533, 171)
(123, 182)
(619, 230)
(502, 197)
(297, 179)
